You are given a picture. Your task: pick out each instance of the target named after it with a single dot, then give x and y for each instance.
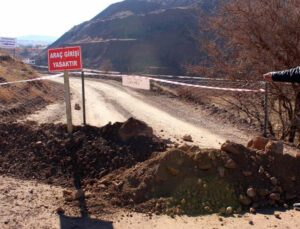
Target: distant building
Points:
(28, 61)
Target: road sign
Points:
(8, 42)
(136, 82)
(64, 59)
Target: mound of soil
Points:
(48, 154)
(120, 165)
(190, 180)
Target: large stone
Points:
(77, 107)
(134, 128)
(230, 164)
(244, 200)
(275, 196)
(251, 192)
(187, 138)
(233, 148)
(229, 210)
(274, 147)
(258, 143)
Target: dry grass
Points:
(18, 94)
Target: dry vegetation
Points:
(20, 98)
(248, 38)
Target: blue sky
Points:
(46, 17)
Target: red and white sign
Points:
(64, 59)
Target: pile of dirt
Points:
(123, 165)
(48, 154)
(190, 180)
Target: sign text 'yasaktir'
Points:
(64, 59)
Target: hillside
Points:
(23, 98)
(157, 36)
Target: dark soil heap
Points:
(190, 180)
(119, 164)
(48, 154)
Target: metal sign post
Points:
(83, 98)
(68, 102)
(266, 109)
(63, 60)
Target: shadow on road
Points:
(67, 222)
(83, 222)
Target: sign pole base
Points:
(68, 103)
(83, 98)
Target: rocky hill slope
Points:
(23, 98)
(157, 36)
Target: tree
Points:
(250, 37)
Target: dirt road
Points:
(28, 204)
(107, 101)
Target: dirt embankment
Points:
(190, 180)
(23, 98)
(125, 165)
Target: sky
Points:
(46, 17)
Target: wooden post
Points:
(83, 98)
(266, 109)
(68, 102)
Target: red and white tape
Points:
(31, 80)
(204, 87)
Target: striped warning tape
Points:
(153, 79)
(204, 87)
(31, 80)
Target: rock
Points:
(251, 192)
(221, 171)
(204, 166)
(187, 138)
(134, 128)
(274, 180)
(297, 206)
(222, 211)
(183, 201)
(230, 164)
(199, 181)
(184, 147)
(258, 143)
(234, 148)
(60, 211)
(203, 161)
(229, 210)
(261, 170)
(263, 192)
(277, 215)
(252, 210)
(275, 196)
(77, 107)
(247, 173)
(207, 208)
(212, 155)
(274, 147)
(194, 149)
(251, 222)
(68, 195)
(244, 200)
